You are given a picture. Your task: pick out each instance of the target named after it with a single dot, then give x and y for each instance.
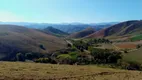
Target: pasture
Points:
(36, 71)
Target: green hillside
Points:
(135, 56)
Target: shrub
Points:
(84, 58)
(74, 56)
(69, 45)
(29, 56)
(20, 57)
(129, 65)
(105, 56)
(64, 59)
(139, 46)
(42, 60)
(42, 47)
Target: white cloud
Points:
(6, 16)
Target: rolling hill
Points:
(66, 27)
(82, 33)
(133, 27)
(54, 31)
(14, 39)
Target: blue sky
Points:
(68, 11)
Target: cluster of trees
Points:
(80, 45)
(27, 56)
(99, 40)
(96, 56)
(105, 56)
(85, 44)
(129, 65)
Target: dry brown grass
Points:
(36, 71)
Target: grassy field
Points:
(105, 46)
(36, 71)
(137, 37)
(134, 56)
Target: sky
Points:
(69, 11)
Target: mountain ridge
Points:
(124, 28)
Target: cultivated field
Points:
(126, 46)
(106, 46)
(36, 71)
(134, 56)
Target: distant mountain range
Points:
(65, 27)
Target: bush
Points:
(64, 59)
(29, 56)
(139, 46)
(42, 60)
(105, 56)
(74, 56)
(84, 58)
(69, 45)
(42, 47)
(20, 57)
(129, 65)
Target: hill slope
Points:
(38, 71)
(15, 39)
(135, 56)
(54, 31)
(121, 29)
(82, 33)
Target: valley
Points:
(53, 54)
(71, 40)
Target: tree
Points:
(20, 57)
(69, 45)
(29, 56)
(42, 47)
(138, 46)
(64, 59)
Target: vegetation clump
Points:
(83, 52)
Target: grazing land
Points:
(135, 56)
(30, 71)
(137, 37)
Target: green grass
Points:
(38, 71)
(135, 56)
(137, 38)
